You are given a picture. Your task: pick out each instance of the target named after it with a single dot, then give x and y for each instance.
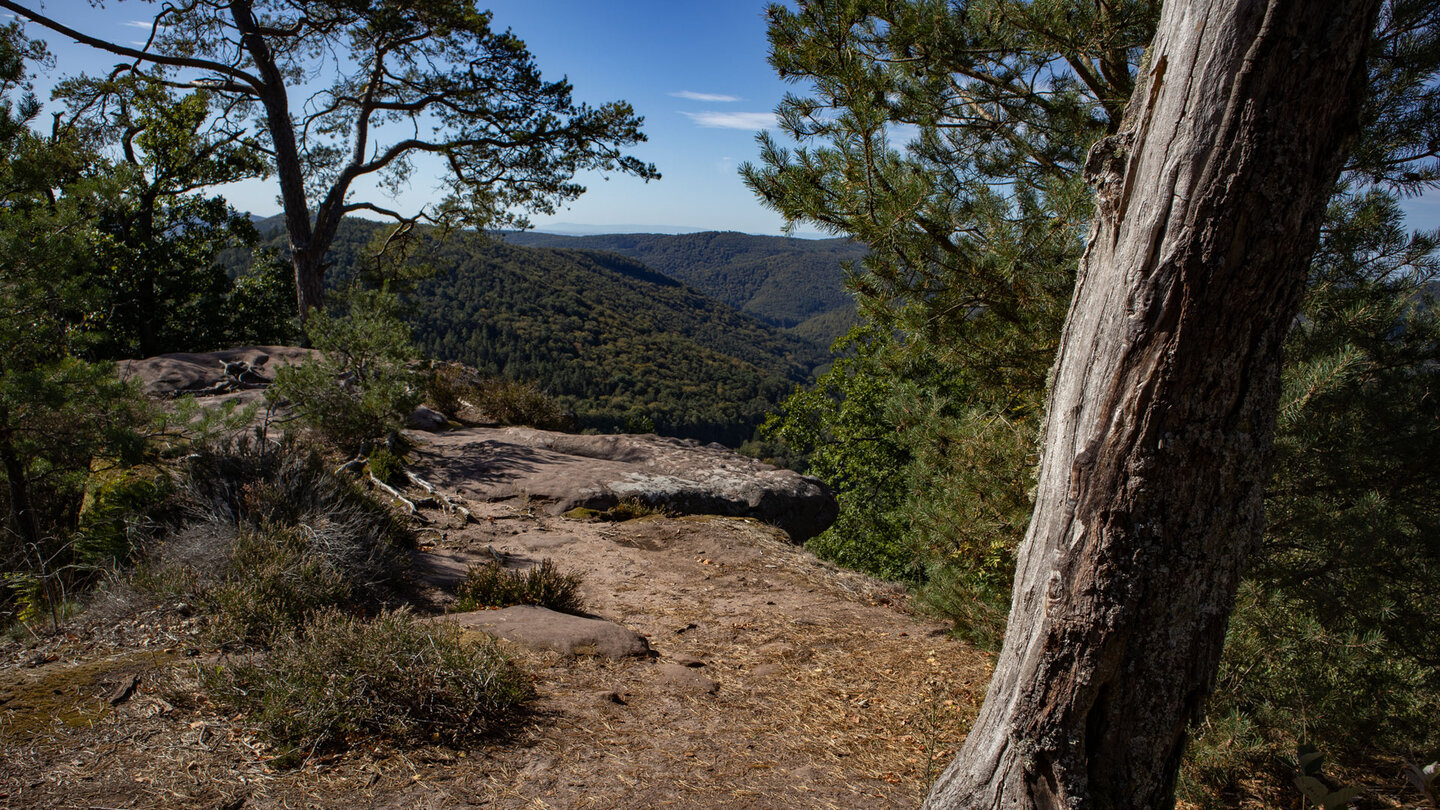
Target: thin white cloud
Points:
(733, 120)
(139, 23)
(714, 98)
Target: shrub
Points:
(1288, 679)
(449, 387)
(253, 482)
(275, 582)
(275, 537)
(362, 390)
(493, 585)
(459, 391)
(120, 515)
(393, 678)
(521, 403)
(627, 509)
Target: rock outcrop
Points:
(563, 471)
(560, 471)
(543, 628)
(243, 370)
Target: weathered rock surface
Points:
(559, 470)
(169, 375)
(426, 418)
(547, 629)
(565, 471)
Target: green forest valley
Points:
(1120, 390)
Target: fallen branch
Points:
(394, 493)
(449, 504)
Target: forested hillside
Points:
(623, 345)
(796, 284)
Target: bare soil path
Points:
(777, 681)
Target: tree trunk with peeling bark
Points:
(1162, 404)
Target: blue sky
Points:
(696, 71)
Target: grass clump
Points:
(628, 509)
(393, 678)
(274, 537)
(275, 581)
(493, 585)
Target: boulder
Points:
(543, 628)
(428, 419)
(565, 471)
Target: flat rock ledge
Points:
(563, 471)
(170, 375)
(543, 628)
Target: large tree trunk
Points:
(307, 255)
(1163, 402)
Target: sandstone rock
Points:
(546, 629)
(426, 418)
(169, 375)
(596, 472)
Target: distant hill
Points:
(612, 337)
(795, 284)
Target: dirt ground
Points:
(777, 681)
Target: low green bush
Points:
(359, 393)
(1288, 680)
(252, 482)
(273, 537)
(394, 678)
(493, 585)
(274, 584)
(122, 512)
(521, 403)
(627, 509)
(461, 392)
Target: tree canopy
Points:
(383, 85)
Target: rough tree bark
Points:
(1163, 403)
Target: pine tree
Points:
(955, 139)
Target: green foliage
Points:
(122, 512)
(789, 283)
(58, 411)
(974, 225)
(602, 334)
(275, 582)
(359, 393)
(394, 678)
(510, 402)
(863, 460)
(160, 286)
(1333, 637)
(462, 393)
(261, 305)
(1301, 680)
(951, 138)
(253, 482)
(453, 89)
(274, 538)
(493, 585)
